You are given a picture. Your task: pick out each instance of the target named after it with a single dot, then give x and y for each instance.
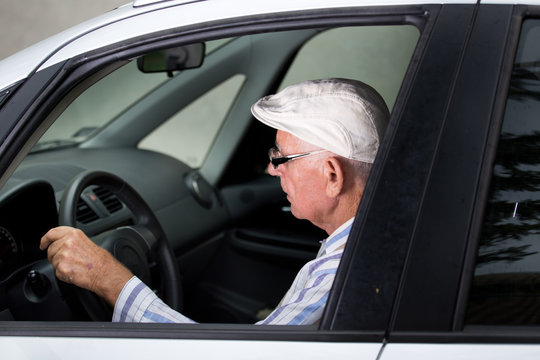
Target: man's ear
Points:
(334, 176)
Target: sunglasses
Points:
(276, 159)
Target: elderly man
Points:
(328, 133)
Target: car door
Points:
(357, 317)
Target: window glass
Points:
(99, 104)
(506, 285)
(376, 55)
(199, 121)
(104, 101)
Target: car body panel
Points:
(402, 288)
(55, 348)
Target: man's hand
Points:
(79, 261)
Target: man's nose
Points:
(271, 170)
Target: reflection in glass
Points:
(506, 286)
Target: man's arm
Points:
(79, 261)
(138, 303)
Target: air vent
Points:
(85, 214)
(108, 199)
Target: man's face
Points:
(301, 179)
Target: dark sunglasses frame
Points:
(279, 160)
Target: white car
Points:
(443, 261)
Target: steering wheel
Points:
(134, 245)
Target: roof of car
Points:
(135, 18)
(137, 3)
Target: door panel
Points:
(250, 271)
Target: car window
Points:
(506, 285)
(128, 109)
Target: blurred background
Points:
(25, 22)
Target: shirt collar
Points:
(338, 238)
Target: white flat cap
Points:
(346, 117)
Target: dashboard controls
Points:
(201, 190)
(38, 283)
(9, 249)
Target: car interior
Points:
(161, 150)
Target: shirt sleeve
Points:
(303, 304)
(138, 303)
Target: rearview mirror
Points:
(174, 59)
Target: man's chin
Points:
(295, 213)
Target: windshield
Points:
(104, 101)
(98, 105)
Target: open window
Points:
(172, 138)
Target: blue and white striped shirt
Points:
(303, 304)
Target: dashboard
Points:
(29, 208)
